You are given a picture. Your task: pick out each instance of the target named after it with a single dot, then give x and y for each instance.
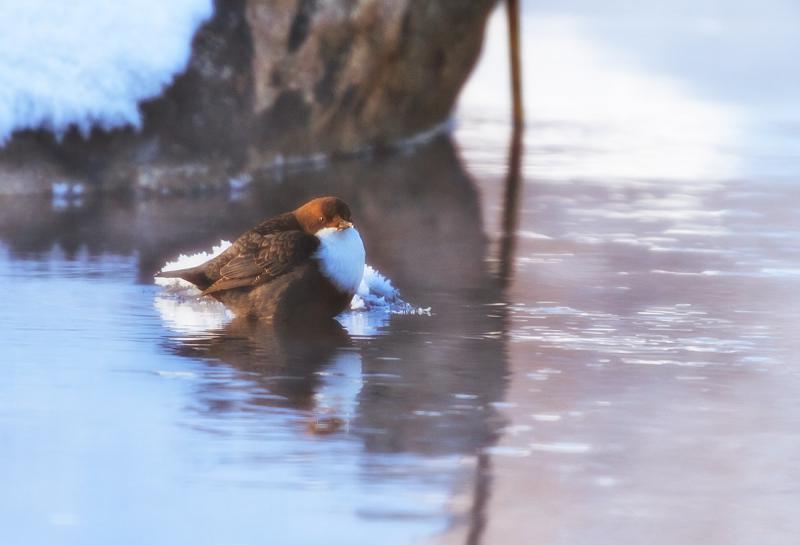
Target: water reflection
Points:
(371, 424)
(652, 362)
(418, 211)
(283, 364)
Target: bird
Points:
(304, 265)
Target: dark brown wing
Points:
(265, 257)
(278, 224)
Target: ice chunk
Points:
(377, 292)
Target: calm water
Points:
(638, 368)
(611, 355)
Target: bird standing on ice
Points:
(301, 265)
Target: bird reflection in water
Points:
(412, 384)
(286, 366)
(421, 386)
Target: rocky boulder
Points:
(270, 80)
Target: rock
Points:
(344, 75)
(270, 79)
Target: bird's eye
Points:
(321, 219)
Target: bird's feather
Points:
(263, 257)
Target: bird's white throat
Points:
(341, 257)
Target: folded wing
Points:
(264, 259)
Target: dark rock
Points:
(270, 79)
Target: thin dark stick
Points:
(481, 499)
(512, 10)
(511, 207)
(512, 194)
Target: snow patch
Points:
(177, 286)
(90, 62)
(377, 292)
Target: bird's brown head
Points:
(324, 212)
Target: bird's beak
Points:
(344, 225)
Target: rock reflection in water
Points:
(409, 399)
(417, 212)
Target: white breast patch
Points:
(341, 257)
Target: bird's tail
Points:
(195, 275)
(173, 274)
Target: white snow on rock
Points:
(89, 62)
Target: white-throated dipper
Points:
(301, 265)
